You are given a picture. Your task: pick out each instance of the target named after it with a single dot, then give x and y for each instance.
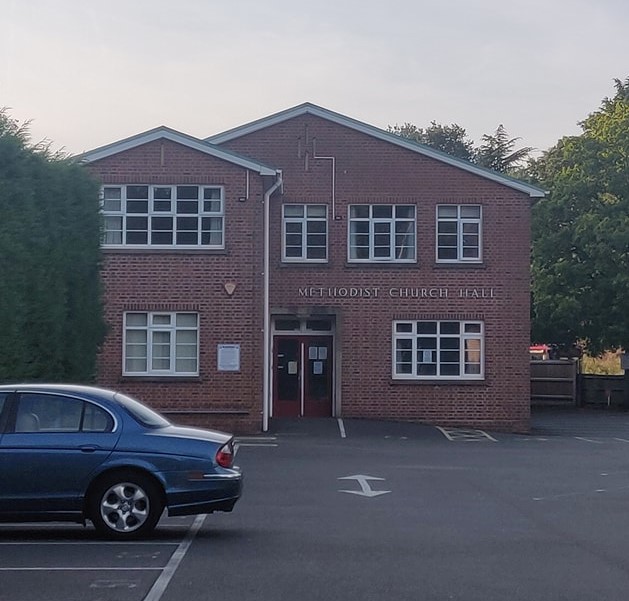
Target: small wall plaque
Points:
(228, 357)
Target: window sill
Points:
(160, 379)
(164, 251)
(482, 383)
(460, 265)
(381, 265)
(306, 264)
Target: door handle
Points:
(88, 448)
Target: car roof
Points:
(58, 388)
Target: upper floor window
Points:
(382, 233)
(438, 349)
(161, 344)
(305, 232)
(459, 233)
(163, 216)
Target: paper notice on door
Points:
(317, 368)
(312, 352)
(323, 353)
(292, 367)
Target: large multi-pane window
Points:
(459, 233)
(165, 344)
(305, 232)
(163, 216)
(382, 233)
(438, 349)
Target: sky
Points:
(91, 73)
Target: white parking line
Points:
(581, 493)
(99, 543)
(341, 427)
(255, 444)
(160, 585)
(254, 441)
(238, 445)
(588, 440)
(465, 434)
(76, 569)
(158, 589)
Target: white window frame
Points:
(303, 221)
(471, 338)
(373, 224)
(210, 209)
(461, 222)
(151, 328)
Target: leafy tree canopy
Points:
(50, 310)
(451, 139)
(497, 151)
(581, 233)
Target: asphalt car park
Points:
(67, 561)
(361, 510)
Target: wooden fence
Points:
(559, 383)
(554, 382)
(607, 391)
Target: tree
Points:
(498, 152)
(51, 321)
(451, 139)
(581, 233)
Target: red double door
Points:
(302, 376)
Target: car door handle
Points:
(88, 448)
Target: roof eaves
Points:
(167, 133)
(308, 108)
(253, 126)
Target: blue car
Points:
(77, 453)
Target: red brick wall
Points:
(373, 171)
(192, 281)
(367, 171)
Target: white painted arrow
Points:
(364, 485)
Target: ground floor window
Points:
(159, 343)
(435, 349)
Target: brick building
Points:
(308, 264)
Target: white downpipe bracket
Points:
(266, 393)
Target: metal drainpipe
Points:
(266, 393)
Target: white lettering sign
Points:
(396, 292)
(418, 292)
(339, 292)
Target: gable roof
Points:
(165, 133)
(311, 109)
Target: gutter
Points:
(266, 387)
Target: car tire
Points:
(125, 505)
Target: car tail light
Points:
(225, 455)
